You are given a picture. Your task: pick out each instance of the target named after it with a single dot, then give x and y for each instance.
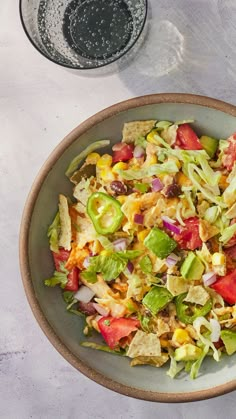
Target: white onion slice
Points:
(215, 330)
(84, 294)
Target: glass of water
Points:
(83, 34)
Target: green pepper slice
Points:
(187, 312)
(104, 212)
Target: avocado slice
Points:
(187, 352)
(229, 339)
(159, 243)
(209, 144)
(192, 268)
(156, 299)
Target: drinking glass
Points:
(83, 34)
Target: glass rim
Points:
(82, 68)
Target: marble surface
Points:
(190, 48)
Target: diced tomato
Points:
(229, 156)
(226, 287)
(73, 280)
(187, 139)
(61, 256)
(122, 152)
(73, 276)
(189, 238)
(113, 329)
(231, 252)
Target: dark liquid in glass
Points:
(97, 28)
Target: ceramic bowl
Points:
(212, 117)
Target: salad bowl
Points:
(64, 330)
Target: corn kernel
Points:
(151, 137)
(142, 235)
(181, 336)
(104, 161)
(121, 199)
(223, 184)
(183, 180)
(92, 158)
(106, 175)
(120, 166)
(218, 259)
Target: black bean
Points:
(118, 187)
(172, 190)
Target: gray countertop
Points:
(191, 47)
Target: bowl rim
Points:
(24, 256)
(82, 68)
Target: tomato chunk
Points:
(229, 156)
(189, 238)
(73, 276)
(226, 287)
(187, 139)
(122, 152)
(113, 329)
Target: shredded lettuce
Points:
(223, 144)
(212, 213)
(227, 234)
(184, 121)
(175, 367)
(197, 182)
(105, 242)
(135, 287)
(77, 160)
(163, 124)
(195, 367)
(53, 233)
(229, 195)
(58, 278)
(109, 266)
(103, 348)
(197, 324)
(155, 169)
(141, 141)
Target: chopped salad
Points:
(146, 250)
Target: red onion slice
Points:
(157, 185)
(138, 152)
(172, 259)
(169, 224)
(130, 267)
(101, 310)
(138, 219)
(209, 278)
(120, 245)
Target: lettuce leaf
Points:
(206, 192)
(227, 234)
(53, 233)
(197, 364)
(175, 367)
(77, 160)
(155, 169)
(58, 278)
(109, 266)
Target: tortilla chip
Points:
(86, 232)
(156, 361)
(197, 295)
(65, 220)
(135, 129)
(176, 285)
(144, 344)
